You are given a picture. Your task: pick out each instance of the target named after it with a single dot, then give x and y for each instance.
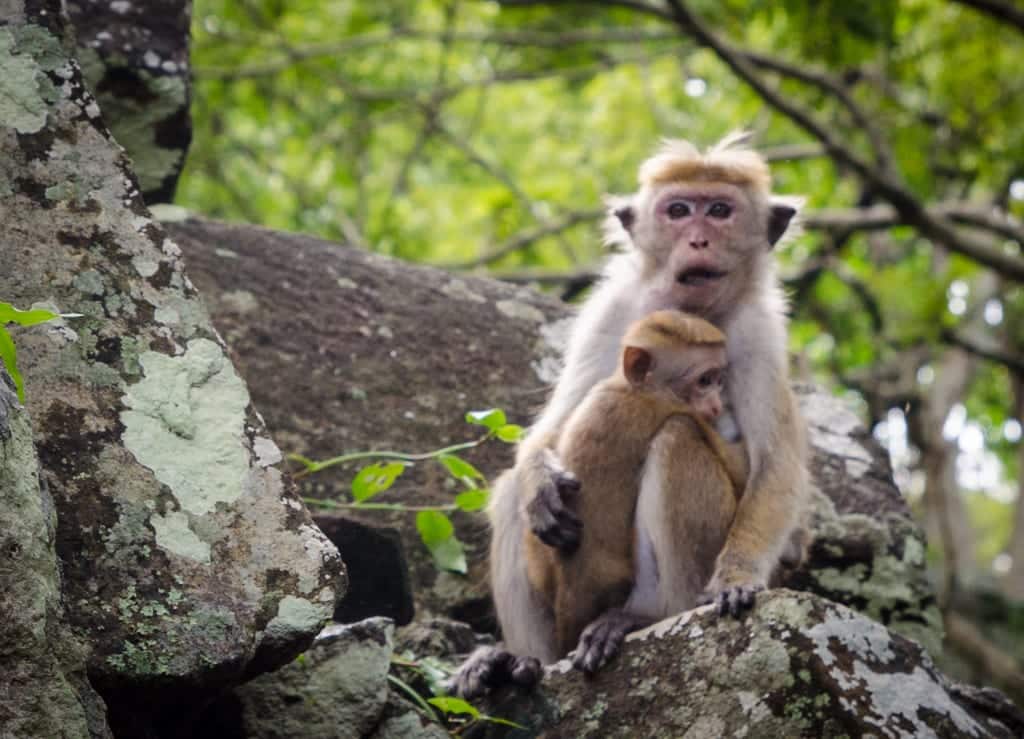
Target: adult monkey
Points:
(699, 235)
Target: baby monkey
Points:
(668, 389)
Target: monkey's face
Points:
(701, 238)
(697, 378)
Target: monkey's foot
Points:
(603, 637)
(732, 599)
(489, 668)
(549, 516)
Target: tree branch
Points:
(527, 238)
(1001, 10)
(885, 184)
(992, 353)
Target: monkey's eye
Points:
(708, 379)
(678, 210)
(719, 209)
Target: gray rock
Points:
(378, 354)
(134, 57)
(44, 691)
(338, 689)
(795, 666)
(404, 722)
(189, 563)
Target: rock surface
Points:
(43, 686)
(338, 689)
(345, 351)
(188, 561)
(795, 666)
(387, 355)
(134, 57)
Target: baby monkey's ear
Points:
(637, 364)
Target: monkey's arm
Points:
(543, 484)
(732, 456)
(774, 436)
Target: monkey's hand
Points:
(603, 637)
(730, 599)
(549, 515)
(489, 668)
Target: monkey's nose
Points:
(699, 243)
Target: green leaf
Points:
(450, 555)
(509, 433)
(9, 356)
(375, 478)
(10, 314)
(448, 704)
(438, 535)
(493, 418)
(472, 500)
(459, 468)
(434, 527)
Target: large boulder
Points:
(385, 355)
(44, 690)
(795, 666)
(188, 561)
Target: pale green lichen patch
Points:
(89, 281)
(522, 311)
(295, 617)
(23, 99)
(174, 535)
(459, 290)
(181, 313)
(185, 421)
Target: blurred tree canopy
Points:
(482, 135)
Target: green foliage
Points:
(432, 522)
(9, 314)
(433, 675)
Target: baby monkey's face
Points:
(697, 378)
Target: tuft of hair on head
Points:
(730, 160)
(672, 326)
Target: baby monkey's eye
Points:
(718, 209)
(708, 379)
(678, 210)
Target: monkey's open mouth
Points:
(696, 276)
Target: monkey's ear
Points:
(780, 216)
(618, 226)
(637, 364)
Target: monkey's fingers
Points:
(552, 522)
(486, 668)
(601, 640)
(734, 600)
(567, 484)
(526, 671)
